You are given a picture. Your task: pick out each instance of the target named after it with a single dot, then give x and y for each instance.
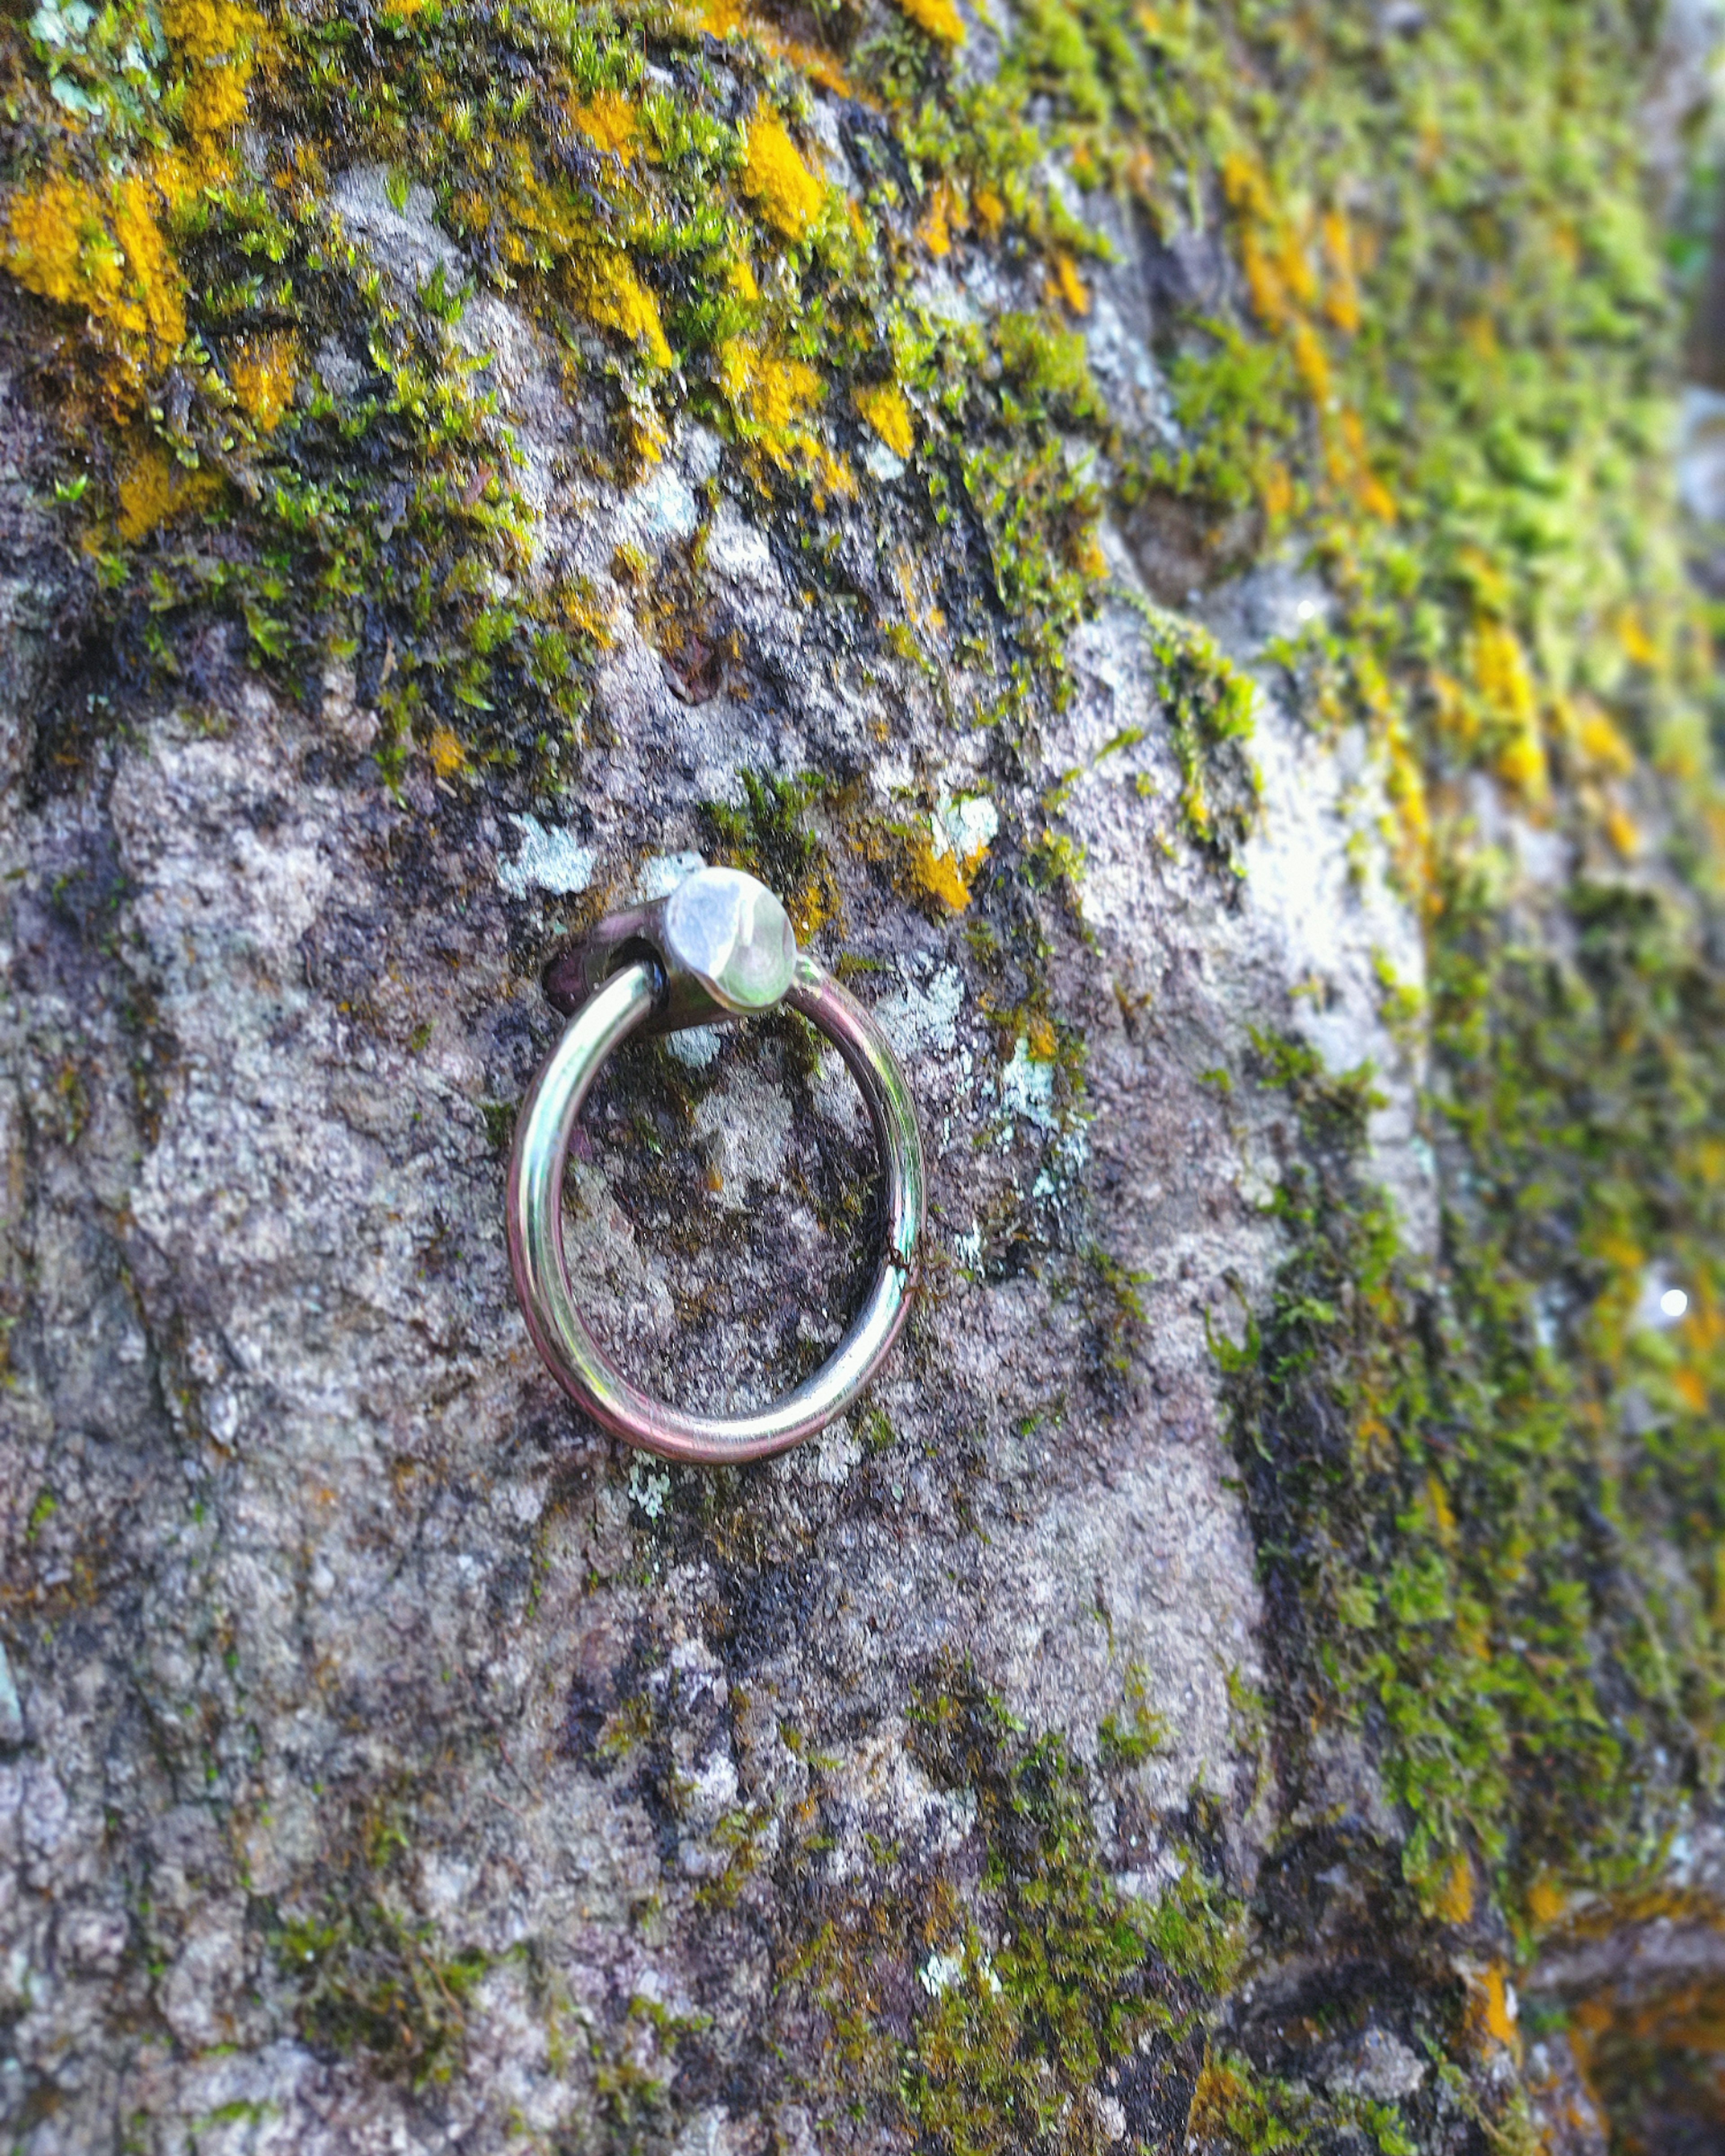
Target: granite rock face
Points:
(332, 1631)
(390, 1761)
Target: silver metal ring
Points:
(720, 947)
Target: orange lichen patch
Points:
(883, 405)
(1277, 271)
(1443, 1513)
(1453, 713)
(1065, 284)
(1294, 267)
(1522, 765)
(1311, 364)
(1269, 301)
(1490, 2011)
(1405, 782)
(940, 19)
(1452, 1901)
(1546, 1902)
(219, 45)
(610, 123)
(1041, 1042)
(216, 100)
(1359, 479)
(1244, 186)
(988, 206)
(614, 296)
(1622, 831)
(1501, 673)
(1276, 490)
(935, 231)
(773, 400)
(776, 181)
(1342, 279)
(1638, 646)
(1085, 552)
(153, 489)
(447, 754)
(771, 394)
(204, 30)
(732, 18)
(263, 373)
(101, 248)
(1601, 743)
(938, 875)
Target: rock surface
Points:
(389, 1761)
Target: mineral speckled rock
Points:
(390, 1761)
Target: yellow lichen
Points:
(205, 30)
(1622, 831)
(940, 19)
(101, 248)
(732, 18)
(1638, 646)
(446, 753)
(768, 394)
(938, 875)
(776, 179)
(1342, 284)
(610, 123)
(1490, 2010)
(1443, 1512)
(772, 399)
(1453, 1898)
(1601, 743)
(1502, 672)
(1546, 1901)
(615, 297)
(218, 43)
(263, 373)
(935, 229)
(1312, 362)
(153, 489)
(883, 405)
(1069, 285)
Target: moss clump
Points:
(772, 836)
(371, 1978)
(1038, 1989)
(1452, 1554)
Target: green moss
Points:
(772, 836)
(1033, 1985)
(1436, 360)
(374, 1981)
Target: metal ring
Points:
(626, 1000)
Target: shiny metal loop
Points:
(646, 982)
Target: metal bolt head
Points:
(730, 931)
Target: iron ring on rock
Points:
(721, 947)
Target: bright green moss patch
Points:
(1480, 1537)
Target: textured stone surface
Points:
(320, 1605)
(299, 1536)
